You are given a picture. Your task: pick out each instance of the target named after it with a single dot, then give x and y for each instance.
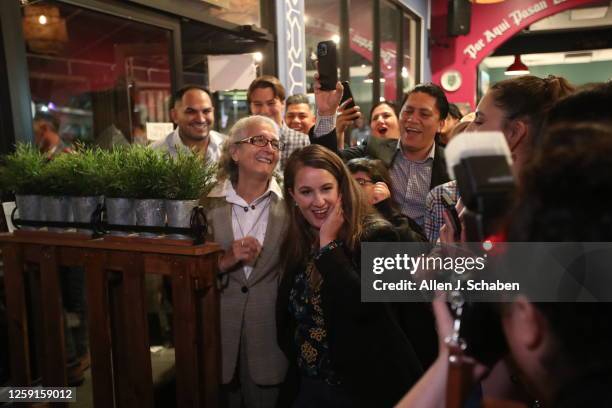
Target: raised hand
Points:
(381, 192)
(345, 118)
(332, 224)
(327, 101)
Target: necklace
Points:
(253, 206)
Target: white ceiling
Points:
(584, 17)
(551, 58)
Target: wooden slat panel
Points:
(99, 329)
(210, 358)
(32, 253)
(160, 264)
(54, 353)
(71, 256)
(119, 335)
(17, 316)
(185, 341)
(140, 376)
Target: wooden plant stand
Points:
(118, 332)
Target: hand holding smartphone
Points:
(346, 94)
(327, 65)
(449, 207)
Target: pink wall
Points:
(491, 26)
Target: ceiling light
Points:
(336, 38)
(578, 57)
(517, 67)
(589, 13)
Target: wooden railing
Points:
(118, 332)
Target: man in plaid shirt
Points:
(266, 97)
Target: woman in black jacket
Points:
(342, 352)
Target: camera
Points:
(481, 163)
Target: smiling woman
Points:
(247, 218)
(383, 120)
(331, 339)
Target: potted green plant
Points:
(57, 189)
(86, 183)
(117, 187)
(188, 178)
(148, 168)
(21, 174)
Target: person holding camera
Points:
(561, 350)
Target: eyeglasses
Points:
(261, 141)
(363, 182)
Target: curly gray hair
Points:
(228, 169)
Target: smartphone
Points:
(328, 65)
(449, 206)
(346, 94)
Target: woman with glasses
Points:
(342, 352)
(247, 217)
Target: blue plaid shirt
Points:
(434, 208)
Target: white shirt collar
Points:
(430, 155)
(214, 145)
(226, 189)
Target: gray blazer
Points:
(249, 304)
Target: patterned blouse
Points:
(311, 334)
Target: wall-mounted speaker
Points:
(459, 16)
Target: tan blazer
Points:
(250, 304)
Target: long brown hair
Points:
(296, 247)
(531, 98)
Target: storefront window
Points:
(322, 23)
(399, 35)
(101, 78)
(241, 12)
(389, 30)
(410, 68)
(361, 44)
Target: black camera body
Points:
(486, 186)
(481, 163)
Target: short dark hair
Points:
(267, 81)
(454, 111)
(390, 104)
(435, 91)
(296, 100)
(374, 168)
(178, 95)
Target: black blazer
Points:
(369, 348)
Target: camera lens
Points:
(322, 49)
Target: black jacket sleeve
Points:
(368, 347)
(328, 140)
